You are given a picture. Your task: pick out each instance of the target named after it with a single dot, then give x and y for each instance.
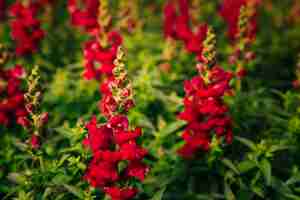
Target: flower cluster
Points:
(204, 109)
(241, 17)
(99, 59)
(86, 17)
(25, 27)
(2, 9)
(100, 51)
(35, 120)
(12, 105)
(117, 157)
(177, 26)
(231, 11)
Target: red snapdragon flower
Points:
(25, 27)
(85, 17)
(99, 60)
(113, 142)
(117, 193)
(205, 112)
(35, 142)
(169, 19)
(103, 168)
(177, 26)
(230, 11)
(12, 105)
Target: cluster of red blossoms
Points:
(25, 27)
(231, 10)
(2, 9)
(85, 17)
(103, 168)
(12, 103)
(204, 110)
(98, 57)
(113, 144)
(177, 26)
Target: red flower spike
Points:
(85, 18)
(177, 26)
(12, 105)
(169, 19)
(25, 28)
(99, 60)
(113, 143)
(205, 112)
(230, 11)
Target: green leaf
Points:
(266, 169)
(294, 179)
(276, 148)
(204, 197)
(47, 192)
(60, 178)
(244, 195)
(246, 166)
(259, 191)
(279, 186)
(74, 190)
(297, 189)
(65, 132)
(159, 194)
(63, 159)
(171, 128)
(228, 193)
(256, 178)
(16, 178)
(247, 142)
(292, 196)
(230, 165)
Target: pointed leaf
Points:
(266, 169)
(230, 165)
(228, 193)
(171, 128)
(74, 190)
(159, 195)
(245, 166)
(246, 142)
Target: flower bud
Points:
(232, 59)
(35, 142)
(241, 73)
(296, 84)
(29, 107)
(249, 56)
(44, 118)
(23, 121)
(128, 105)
